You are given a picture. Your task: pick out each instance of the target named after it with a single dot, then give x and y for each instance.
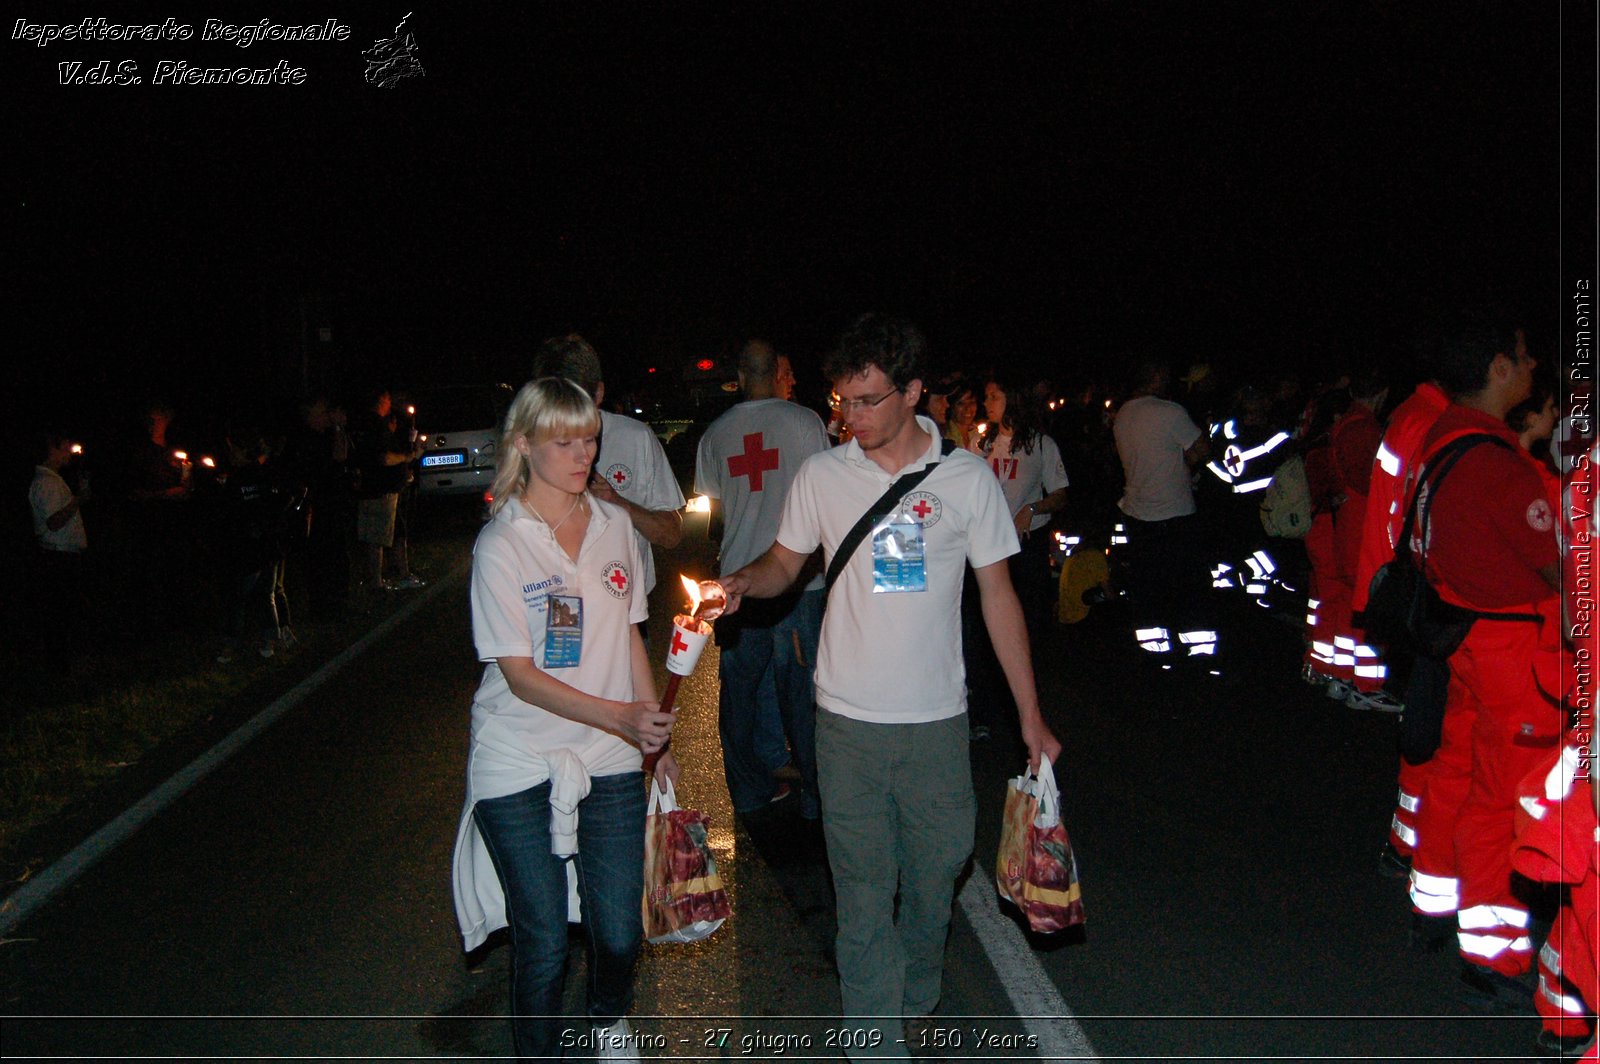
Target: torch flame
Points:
(693, 589)
(208, 462)
(182, 456)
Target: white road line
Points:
(28, 898)
(1043, 1012)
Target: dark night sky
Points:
(1254, 183)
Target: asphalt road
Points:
(297, 902)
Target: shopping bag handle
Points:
(1047, 792)
(661, 801)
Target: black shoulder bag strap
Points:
(1429, 478)
(886, 503)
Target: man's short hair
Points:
(569, 356)
(1153, 373)
(1461, 362)
(758, 362)
(893, 345)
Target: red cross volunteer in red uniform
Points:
(1491, 548)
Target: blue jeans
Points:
(610, 862)
(788, 649)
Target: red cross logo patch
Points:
(1233, 459)
(619, 476)
(616, 580)
(1540, 519)
(923, 507)
(754, 461)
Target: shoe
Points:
(979, 733)
(1338, 690)
(1565, 1046)
(1431, 934)
(1376, 701)
(265, 650)
(1491, 991)
(616, 1043)
(1392, 864)
(407, 584)
(225, 658)
(783, 793)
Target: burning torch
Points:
(690, 633)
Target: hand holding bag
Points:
(684, 900)
(1035, 869)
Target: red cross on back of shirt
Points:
(922, 509)
(754, 461)
(678, 645)
(619, 578)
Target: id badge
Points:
(563, 632)
(897, 550)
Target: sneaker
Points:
(1490, 991)
(1392, 864)
(266, 650)
(616, 1042)
(225, 657)
(407, 584)
(1376, 701)
(1338, 690)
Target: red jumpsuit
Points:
(1356, 437)
(1557, 842)
(1491, 532)
(1389, 493)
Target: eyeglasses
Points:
(849, 406)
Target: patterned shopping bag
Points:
(684, 900)
(1035, 869)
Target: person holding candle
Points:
(892, 734)
(565, 710)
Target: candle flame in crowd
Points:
(182, 456)
(208, 462)
(77, 448)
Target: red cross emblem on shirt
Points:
(620, 476)
(619, 578)
(754, 461)
(1233, 459)
(678, 645)
(921, 509)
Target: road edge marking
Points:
(40, 889)
(1044, 1013)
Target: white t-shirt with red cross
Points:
(1026, 476)
(747, 460)
(895, 657)
(633, 462)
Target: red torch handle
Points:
(667, 701)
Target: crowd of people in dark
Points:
(1277, 497)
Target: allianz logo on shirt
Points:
(542, 585)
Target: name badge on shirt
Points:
(897, 552)
(563, 632)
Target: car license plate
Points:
(447, 458)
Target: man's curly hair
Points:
(892, 344)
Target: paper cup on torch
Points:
(689, 638)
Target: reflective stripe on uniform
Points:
(1491, 946)
(1409, 802)
(1388, 460)
(1435, 895)
(1403, 832)
(1478, 917)
(1568, 1004)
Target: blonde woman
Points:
(564, 712)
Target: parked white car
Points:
(460, 429)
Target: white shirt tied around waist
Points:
(517, 564)
(896, 658)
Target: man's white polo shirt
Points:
(896, 658)
(633, 462)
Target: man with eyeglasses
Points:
(891, 732)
